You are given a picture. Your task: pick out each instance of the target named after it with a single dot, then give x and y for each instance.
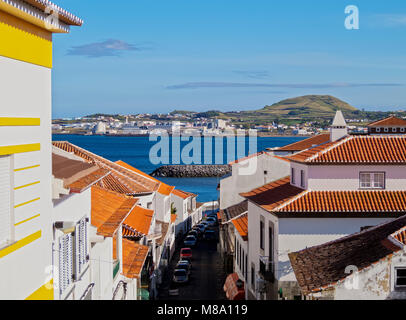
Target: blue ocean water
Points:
(135, 151)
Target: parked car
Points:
(202, 227)
(212, 221)
(195, 232)
(185, 254)
(180, 276)
(210, 235)
(185, 265)
(190, 241)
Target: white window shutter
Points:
(5, 199)
(81, 248)
(65, 262)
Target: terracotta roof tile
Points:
(357, 150)
(182, 194)
(234, 211)
(241, 224)
(306, 143)
(111, 182)
(390, 121)
(139, 219)
(273, 194)
(324, 265)
(109, 209)
(134, 181)
(359, 202)
(87, 181)
(285, 200)
(134, 256)
(163, 189)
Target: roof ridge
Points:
(281, 206)
(114, 164)
(334, 145)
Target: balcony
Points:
(267, 269)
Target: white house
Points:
(25, 149)
(151, 195)
(369, 265)
(334, 190)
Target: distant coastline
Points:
(260, 134)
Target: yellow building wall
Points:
(25, 135)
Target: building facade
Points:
(25, 147)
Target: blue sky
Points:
(156, 56)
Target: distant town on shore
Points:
(300, 116)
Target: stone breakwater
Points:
(191, 171)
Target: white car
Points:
(190, 241)
(180, 276)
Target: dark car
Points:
(210, 235)
(185, 265)
(195, 233)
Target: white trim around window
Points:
(372, 180)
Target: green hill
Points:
(308, 106)
(295, 110)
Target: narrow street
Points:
(207, 276)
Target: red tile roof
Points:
(357, 150)
(233, 211)
(273, 194)
(134, 181)
(241, 225)
(182, 194)
(84, 183)
(390, 121)
(361, 202)
(306, 143)
(109, 209)
(139, 219)
(320, 267)
(285, 200)
(163, 189)
(134, 256)
(400, 235)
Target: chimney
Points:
(339, 128)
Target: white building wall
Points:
(26, 92)
(347, 177)
(250, 174)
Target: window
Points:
(292, 175)
(246, 267)
(400, 277)
(402, 129)
(394, 129)
(242, 262)
(378, 129)
(261, 235)
(302, 179)
(372, 180)
(253, 278)
(65, 262)
(81, 250)
(5, 201)
(149, 205)
(270, 244)
(386, 129)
